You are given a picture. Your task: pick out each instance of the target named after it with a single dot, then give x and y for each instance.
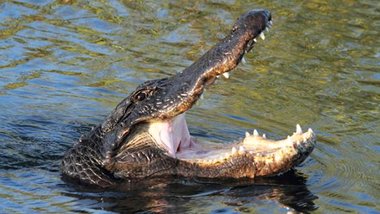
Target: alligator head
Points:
(146, 135)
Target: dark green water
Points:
(64, 66)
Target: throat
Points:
(172, 135)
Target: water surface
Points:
(65, 64)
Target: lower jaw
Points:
(252, 156)
(242, 165)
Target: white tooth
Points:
(226, 75)
(310, 130)
(255, 40)
(226, 155)
(255, 133)
(218, 76)
(202, 97)
(243, 60)
(270, 22)
(241, 150)
(262, 36)
(247, 134)
(298, 129)
(233, 150)
(264, 136)
(267, 29)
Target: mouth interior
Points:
(173, 136)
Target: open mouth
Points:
(146, 135)
(172, 135)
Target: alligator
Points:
(146, 135)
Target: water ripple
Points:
(65, 64)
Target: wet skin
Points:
(146, 135)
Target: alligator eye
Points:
(140, 96)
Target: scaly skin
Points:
(127, 146)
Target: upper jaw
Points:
(222, 58)
(219, 60)
(177, 99)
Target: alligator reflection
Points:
(288, 191)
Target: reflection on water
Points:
(287, 193)
(65, 64)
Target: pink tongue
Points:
(175, 135)
(166, 136)
(182, 132)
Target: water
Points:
(65, 64)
